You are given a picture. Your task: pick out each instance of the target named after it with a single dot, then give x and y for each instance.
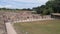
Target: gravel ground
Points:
(2, 29)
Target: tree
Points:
(55, 4)
(52, 6)
(39, 9)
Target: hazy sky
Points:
(21, 3)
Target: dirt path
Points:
(10, 29)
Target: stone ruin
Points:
(15, 16)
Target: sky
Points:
(21, 3)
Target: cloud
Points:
(31, 1)
(5, 6)
(21, 3)
(26, 0)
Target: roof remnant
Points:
(56, 14)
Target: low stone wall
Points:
(30, 20)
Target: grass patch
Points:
(38, 27)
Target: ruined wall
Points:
(23, 15)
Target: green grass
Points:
(38, 27)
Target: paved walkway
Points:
(10, 29)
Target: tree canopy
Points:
(52, 6)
